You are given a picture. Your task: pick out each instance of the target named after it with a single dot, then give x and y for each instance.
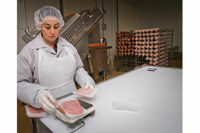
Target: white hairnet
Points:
(47, 13)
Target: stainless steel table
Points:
(158, 94)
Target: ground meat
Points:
(35, 110)
(72, 107)
(84, 91)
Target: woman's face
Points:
(50, 31)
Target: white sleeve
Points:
(27, 93)
(26, 90)
(81, 75)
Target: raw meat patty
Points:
(84, 91)
(35, 110)
(72, 107)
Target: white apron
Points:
(57, 73)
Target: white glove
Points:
(46, 100)
(88, 85)
(61, 115)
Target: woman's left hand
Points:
(88, 85)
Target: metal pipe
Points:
(117, 2)
(26, 25)
(102, 7)
(25, 13)
(96, 5)
(61, 8)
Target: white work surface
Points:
(158, 94)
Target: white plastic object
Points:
(129, 105)
(67, 119)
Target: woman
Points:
(48, 66)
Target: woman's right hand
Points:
(46, 101)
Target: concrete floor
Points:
(24, 123)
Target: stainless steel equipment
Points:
(78, 25)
